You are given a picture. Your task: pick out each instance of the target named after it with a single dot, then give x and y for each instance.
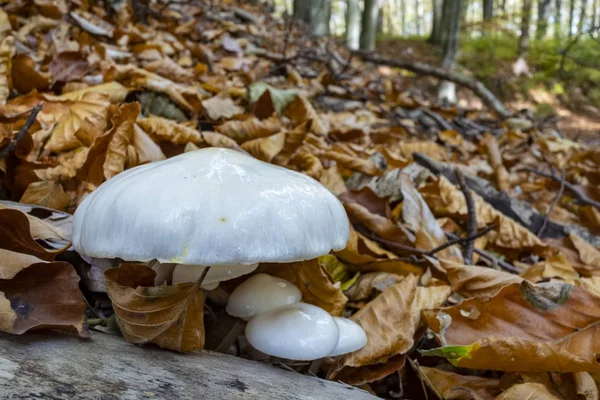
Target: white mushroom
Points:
(211, 207)
(299, 331)
(352, 337)
(261, 293)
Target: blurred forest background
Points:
(541, 55)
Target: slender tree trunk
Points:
(571, 17)
(595, 7)
(436, 24)
(369, 25)
(403, 16)
(320, 14)
(353, 24)
(544, 8)
(525, 22)
(452, 18)
(302, 10)
(488, 10)
(582, 16)
(557, 20)
(418, 18)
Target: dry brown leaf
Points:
(553, 267)
(171, 317)
(42, 229)
(42, 296)
(524, 327)
(12, 263)
(250, 128)
(308, 164)
(219, 140)
(446, 384)
(356, 164)
(360, 250)
(7, 49)
(495, 159)
(474, 281)
(332, 180)
(46, 193)
(113, 91)
(301, 111)
(221, 107)
(25, 78)
(314, 282)
(69, 164)
(15, 235)
(164, 129)
(371, 284)
(265, 148)
(390, 322)
(529, 391)
(588, 254)
(170, 69)
(68, 66)
(91, 106)
(122, 136)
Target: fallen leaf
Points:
(171, 317)
(122, 136)
(12, 263)
(7, 49)
(250, 128)
(446, 384)
(266, 99)
(147, 149)
(300, 110)
(221, 107)
(93, 24)
(356, 164)
(42, 296)
(371, 284)
(390, 330)
(314, 282)
(46, 193)
(266, 148)
(553, 267)
(474, 281)
(529, 391)
(588, 254)
(170, 69)
(68, 66)
(25, 78)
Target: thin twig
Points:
(540, 232)
(568, 185)
(201, 279)
(489, 257)
(471, 216)
(10, 147)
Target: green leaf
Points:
(280, 98)
(452, 353)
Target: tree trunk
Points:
(595, 22)
(418, 16)
(488, 10)
(436, 24)
(452, 18)
(352, 24)
(582, 17)
(302, 10)
(403, 16)
(571, 17)
(320, 13)
(525, 21)
(544, 8)
(557, 19)
(369, 25)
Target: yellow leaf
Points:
(114, 91)
(250, 128)
(7, 49)
(588, 254)
(448, 384)
(221, 107)
(301, 111)
(553, 267)
(170, 69)
(266, 148)
(122, 135)
(66, 169)
(164, 129)
(171, 317)
(46, 193)
(147, 149)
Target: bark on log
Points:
(426, 69)
(53, 365)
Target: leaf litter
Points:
(483, 290)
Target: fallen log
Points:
(54, 365)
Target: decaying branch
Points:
(10, 147)
(583, 198)
(426, 69)
(559, 195)
(472, 217)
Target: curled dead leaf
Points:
(171, 317)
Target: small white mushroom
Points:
(261, 293)
(352, 337)
(299, 331)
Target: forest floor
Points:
(576, 116)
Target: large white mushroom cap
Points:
(299, 331)
(352, 337)
(211, 207)
(261, 293)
